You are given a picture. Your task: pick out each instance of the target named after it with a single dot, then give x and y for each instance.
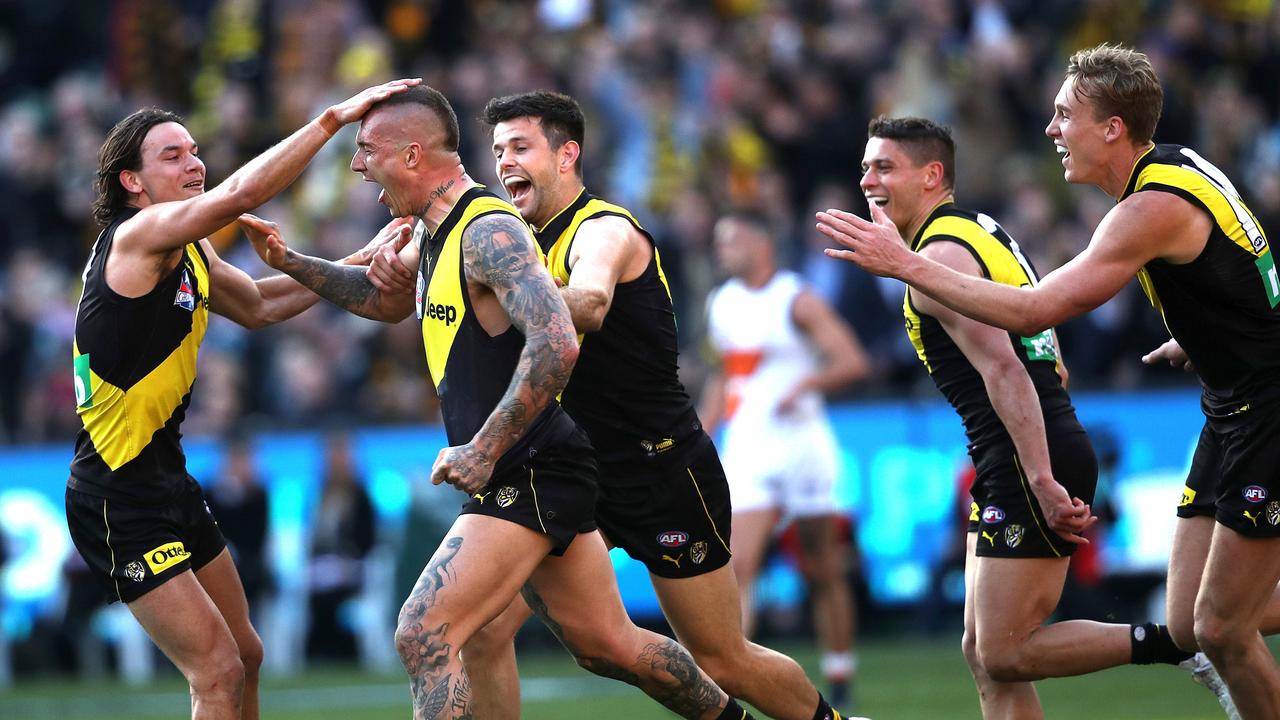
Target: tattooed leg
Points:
(566, 594)
(471, 578)
(431, 662)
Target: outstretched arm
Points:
(499, 253)
(1143, 227)
(343, 285)
(166, 226)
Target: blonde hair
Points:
(1121, 82)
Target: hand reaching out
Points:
(874, 245)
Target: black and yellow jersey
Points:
(471, 369)
(625, 391)
(1001, 261)
(135, 365)
(1221, 307)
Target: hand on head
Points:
(354, 107)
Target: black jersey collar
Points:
(1142, 162)
(937, 211)
(455, 213)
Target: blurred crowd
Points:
(693, 108)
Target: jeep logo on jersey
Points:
(166, 556)
(1255, 493)
(992, 515)
(440, 311)
(673, 538)
(186, 297)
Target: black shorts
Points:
(553, 492)
(1235, 473)
(670, 513)
(134, 548)
(1006, 514)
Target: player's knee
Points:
(486, 647)
(251, 655)
(220, 676)
(1183, 633)
(969, 646)
(1218, 635)
(728, 670)
(1005, 661)
(603, 656)
(415, 644)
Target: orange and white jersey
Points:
(772, 458)
(763, 354)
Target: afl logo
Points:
(992, 515)
(673, 538)
(1255, 493)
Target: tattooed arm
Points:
(343, 285)
(499, 253)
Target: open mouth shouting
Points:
(517, 187)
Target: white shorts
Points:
(792, 471)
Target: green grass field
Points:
(898, 680)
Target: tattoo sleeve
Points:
(498, 252)
(663, 669)
(347, 287)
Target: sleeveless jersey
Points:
(959, 381)
(135, 364)
(763, 355)
(470, 368)
(625, 391)
(1221, 307)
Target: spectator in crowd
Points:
(341, 537)
(239, 501)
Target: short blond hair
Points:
(1121, 82)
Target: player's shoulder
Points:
(1153, 210)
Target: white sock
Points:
(839, 665)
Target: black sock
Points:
(824, 711)
(1150, 643)
(733, 711)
